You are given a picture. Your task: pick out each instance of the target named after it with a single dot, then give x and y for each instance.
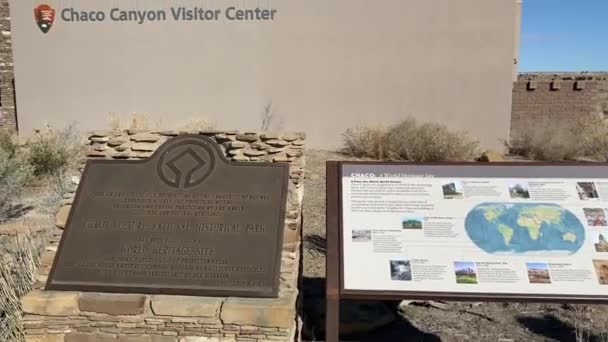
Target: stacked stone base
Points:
(58, 316)
(55, 316)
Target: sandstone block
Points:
(141, 155)
(247, 137)
(254, 153)
(159, 338)
(279, 312)
(51, 303)
(61, 218)
(221, 138)
(99, 147)
(199, 339)
(112, 304)
(184, 306)
(134, 338)
(260, 146)
(240, 158)
(289, 137)
(275, 150)
(123, 147)
(298, 143)
(277, 142)
(117, 141)
(145, 137)
(94, 337)
(238, 144)
(96, 154)
(99, 139)
(45, 338)
(99, 134)
(144, 147)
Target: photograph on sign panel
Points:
(595, 217)
(401, 270)
(412, 222)
(538, 273)
(466, 272)
(362, 235)
(452, 190)
(519, 190)
(587, 191)
(601, 269)
(600, 242)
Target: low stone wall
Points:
(52, 316)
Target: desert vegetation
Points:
(410, 140)
(549, 140)
(42, 164)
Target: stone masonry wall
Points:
(560, 98)
(8, 118)
(55, 316)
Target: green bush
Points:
(409, 140)
(549, 140)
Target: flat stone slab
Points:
(185, 306)
(277, 312)
(112, 304)
(51, 303)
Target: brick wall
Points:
(7, 94)
(561, 98)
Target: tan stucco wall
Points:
(324, 65)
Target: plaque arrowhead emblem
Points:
(45, 17)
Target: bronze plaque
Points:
(185, 221)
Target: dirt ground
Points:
(440, 321)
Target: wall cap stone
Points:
(113, 304)
(51, 303)
(185, 306)
(264, 312)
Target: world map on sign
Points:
(524, 227)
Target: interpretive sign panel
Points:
(184, 221)
(475, 230)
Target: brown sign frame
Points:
(335, 290)
(212, 147)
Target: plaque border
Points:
(187, 290)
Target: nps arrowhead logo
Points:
(45, 16)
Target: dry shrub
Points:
(549, 140)
(51, 152)
(17, 274)
(15, 172)
(197, 125)
(367, 142)
(409, 140)
(135, 121)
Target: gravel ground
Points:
(436, 321)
